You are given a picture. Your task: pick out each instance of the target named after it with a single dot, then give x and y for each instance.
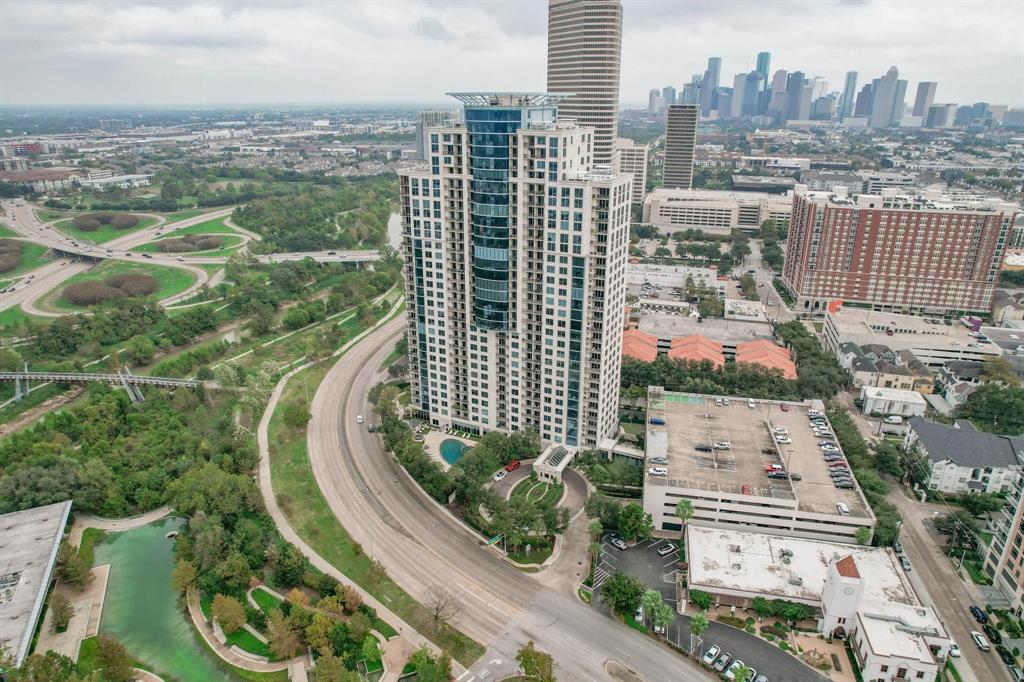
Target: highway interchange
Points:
(72, 256)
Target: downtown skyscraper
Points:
(515, 252)
(584, 55)
(680, 143)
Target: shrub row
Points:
(10, 254)
(191, 242)
(112, 288)
(90, 222)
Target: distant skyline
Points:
(179, 53)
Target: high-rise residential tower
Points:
(431, 119)
(680, 141)
(849, 95)
(668, 93)
(584, 55)
(709, 86)
(907, 253)
(515, 254)
(925, 97)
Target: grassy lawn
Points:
(7, 232)
(230, 242)
(267, 601)
(214, 226)
(536, 555)
(90, 538)
(15, 316)
(31, 258)
(46, 215)
(537, 492)
(88, 657)
(170, 280)
(632, 428)
(985, 537)
(303, 503)
(184, 215)
(206, 605)
(245, 640)
(241, 673)
(105, 233)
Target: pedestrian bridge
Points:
(123, 377)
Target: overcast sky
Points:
(179, 52)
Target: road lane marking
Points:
(482, 600)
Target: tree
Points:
(536, 664)
(183, 575)
(634, 522)
(72, 568)
(61, 612)
(603, 508)
(650, 601)
(430, 669)
(977, 504)
(662, 615)
(698, 626)
(139, 350)
(291, 565)
(700, 599)
(684, 510)
(229, 612)
(443, 606)
(234, 572)
(114, 661)
(296, 414)
(622, 592)
(330, 668)
(284, 642)
(741, 671)
(318, 633)
(762, 608)
(359, 625)
(370, 651)
(863, 535)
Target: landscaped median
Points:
(302, 502)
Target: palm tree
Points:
(595, 529)
(684, 510)
(741, 672)
(595, 551)
(698, 625)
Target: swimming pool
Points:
(452, 450)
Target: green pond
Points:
(142, 611)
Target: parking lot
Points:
(658, 573)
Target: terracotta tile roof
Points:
(847, 567)
(636, 344)
(697, 348)
(768, 355)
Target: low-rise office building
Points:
(715, 211)
(965, 460)
(729, 486)
(860, 593)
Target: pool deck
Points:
(433, 439)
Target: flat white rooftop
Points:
(28, 550)
(892, 394)
(759, 567)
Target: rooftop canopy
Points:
(510, 99)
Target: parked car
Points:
(730, 672)
(954, 650)
(638, 616)
(703, 447)
(723, 445)
(793, 476)
(658, 471)
(332, 253)
(898, 547)
(1016, 673)
(359, 419)
(905, 563)
(844, 485)
(1005, 654)
(718, 402)
(745, 489)
(657, 421)
(980, 641)
(711, 654)
(513, 465)
(773, 467)
(722, 662)
(666, 549)
(660, 461)
(780, 430)
(726, 402)
(500, 475)
(992, 634)
(763, 678)
(978, 614)
(784, 407)
(618, 543)
(778, 475)
(785, 440)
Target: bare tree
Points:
(444, 607)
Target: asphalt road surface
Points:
(424, 549)
(938, 585)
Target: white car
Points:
(980, 640)
(781, 430)
(658, 471)
(730, 672)
(500, 475)
(723, 445)
(954, 650)
(711, 654)
(359, 419)
(639, 615)
(785, 440)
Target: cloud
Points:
(194, 52)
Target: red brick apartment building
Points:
(922, 253)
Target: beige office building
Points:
(718, 211)
(584, 53)
(631, 157)
(680, 141)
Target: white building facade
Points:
(515, 257)
(631, 157)
(715, 211)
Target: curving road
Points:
(425, 549)
(35, 285)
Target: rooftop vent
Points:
(735, 548)
(737, 566)
(796, 580)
